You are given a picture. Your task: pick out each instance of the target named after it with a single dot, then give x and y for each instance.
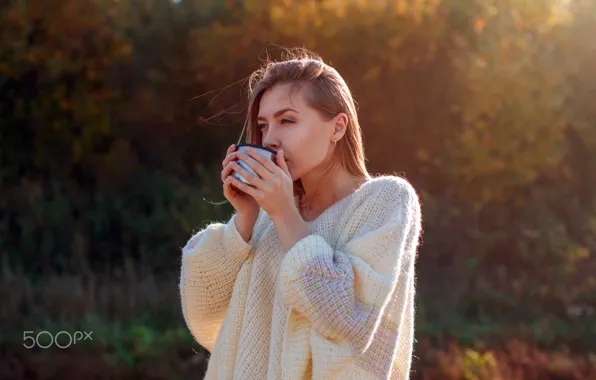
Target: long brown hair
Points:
(326, 92)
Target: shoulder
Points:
(385, 200)
(388, 192)
(391, 183)
(386, 207)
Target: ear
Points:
(340, 124)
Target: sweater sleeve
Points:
(211, 260)
(359, 296)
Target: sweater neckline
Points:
(336, 204)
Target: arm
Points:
(211, 261)
(359, 296)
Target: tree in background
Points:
(114, 116)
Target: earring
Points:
(335, 142)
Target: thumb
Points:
(281, 161)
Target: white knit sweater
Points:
(338, 305)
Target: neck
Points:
(324, 189)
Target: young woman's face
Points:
(291, 125)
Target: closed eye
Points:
(261, 126)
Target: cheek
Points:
(307, 154)
(307, 147)
(308, 141)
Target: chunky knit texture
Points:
(338, 305)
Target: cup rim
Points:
(258, 147)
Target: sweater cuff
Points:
(319, 284)
(233, 241)
(312, 249)
(219, 244)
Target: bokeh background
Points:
(115, 116)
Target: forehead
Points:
(281, 96)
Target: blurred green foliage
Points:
(115, 115)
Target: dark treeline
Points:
(115, 116)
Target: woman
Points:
(313, 276)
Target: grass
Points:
(138, 332)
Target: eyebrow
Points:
(278, 113)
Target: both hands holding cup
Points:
(256, 177)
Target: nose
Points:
(271, 141)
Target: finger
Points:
(253, 179)
(229, 189)
(229, 158)
(281, 161)
(229, 154)
(228, 185)
(255, 193)
(266, 162)
(256, 165)
(226, 171)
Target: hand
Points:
(243, 203)
(273, 188)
